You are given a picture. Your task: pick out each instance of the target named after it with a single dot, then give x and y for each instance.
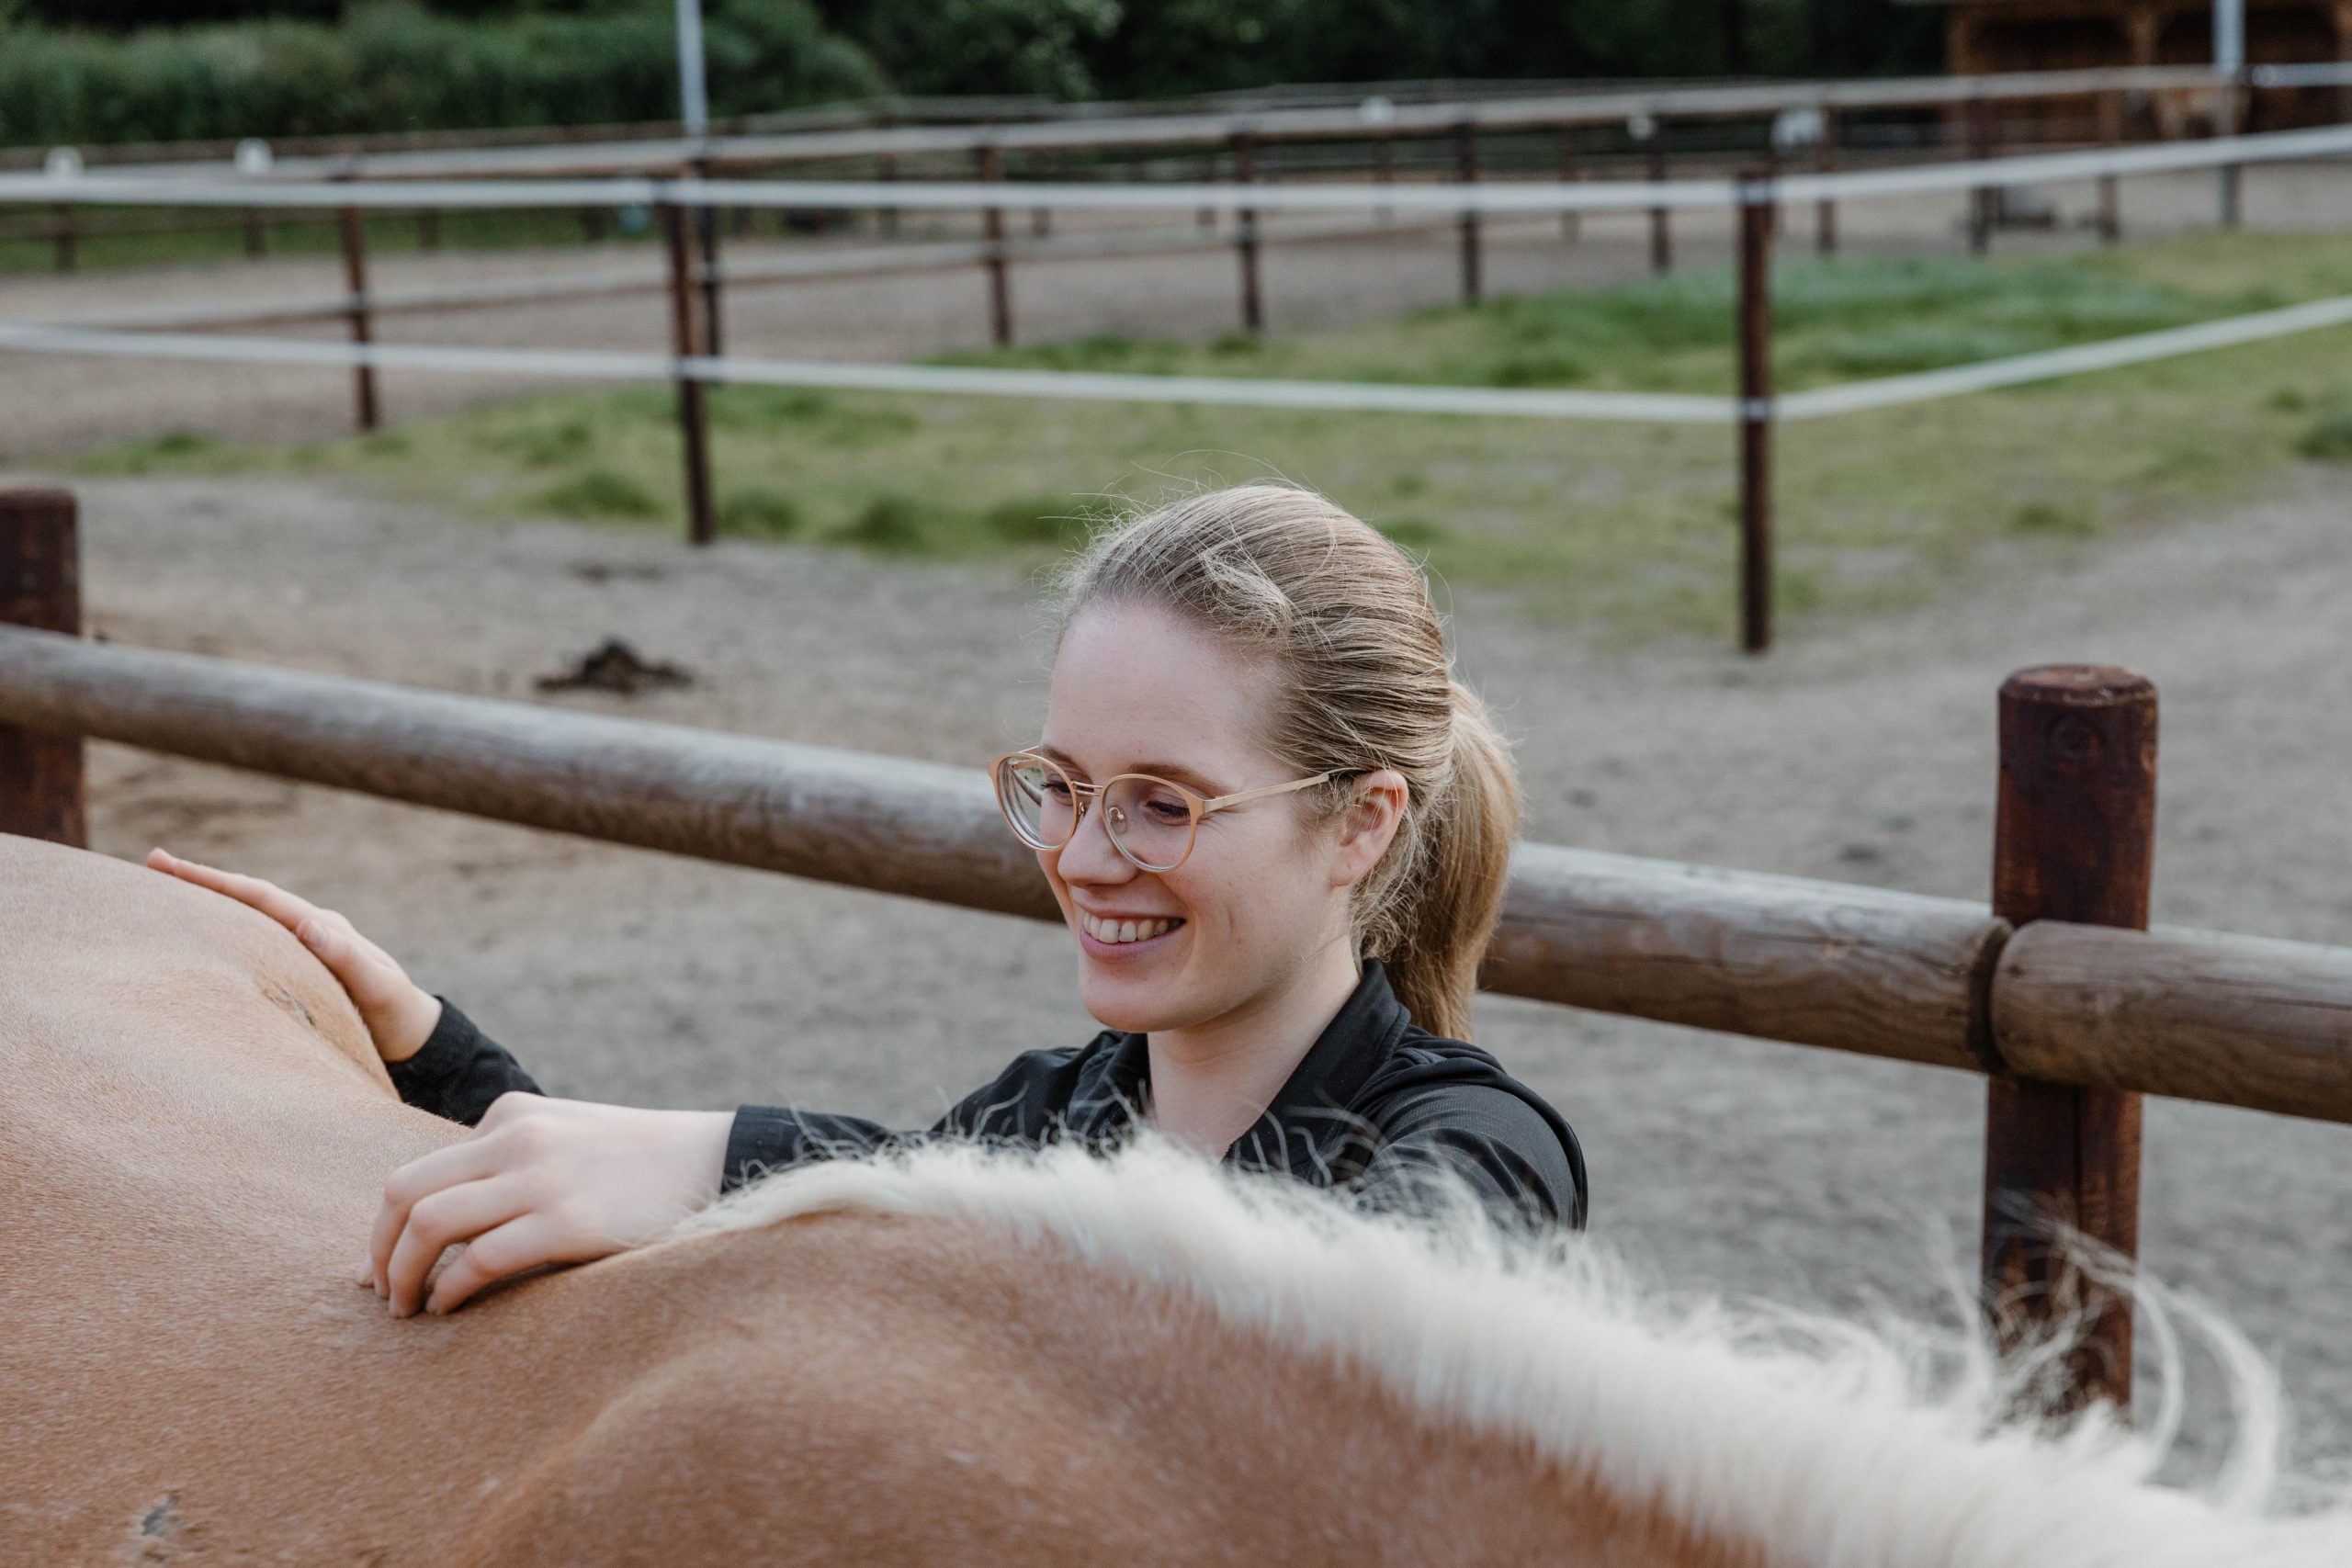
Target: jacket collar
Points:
(1309, 1117)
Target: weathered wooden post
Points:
(1245, 235)
(355, 284)
(41, 775)
(1661, 236)
(992, 254)
(1824, 215)
(1982, 199)
(1757, 211)
(68, 238)
(694, 425)
(1465, 170)
(2110, 134)
(2073, 840)
(1383, 171)
(1569, 175)
(256, 234)
(707, 243)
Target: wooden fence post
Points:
(1757, 211)
(992, 231)
(1824, 215)
(1383, 171)
(354, 283)
(707, 243)
(1207, 215)
(2110, 134)
(1245, 236)
(256, 234)
(68, 238)
(2073, 840)
(1661, 236)
(1465, 170)
(1569, 175)
(41, 775)
(694, 425)
(428, 227)
(1982, 199)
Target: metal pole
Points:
(2073, 840)
(1824, 215)
(1245, 237)
(1465, 170)
(1569, 175)
(1661, 237)
(2111, 194)
(992, 251)
(354, 283)
(41, 792)
(694, 425)
(693, 101)
(1757, 205)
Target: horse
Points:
(948, 1353)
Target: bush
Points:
(760, 510)
(390, 66)
(2330, 437)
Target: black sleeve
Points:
(459, 1070)
(1020, 1104)
(1526, 1170)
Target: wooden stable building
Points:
(1987, 36)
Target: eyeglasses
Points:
(1149, 819)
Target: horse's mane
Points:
(1816, 1442)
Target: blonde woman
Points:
(1278, 830)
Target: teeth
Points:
(1124, 930)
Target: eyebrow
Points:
(1176, 771)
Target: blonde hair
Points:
(1344, 619)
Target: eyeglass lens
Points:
(1151, 822)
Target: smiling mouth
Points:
(1118, 932)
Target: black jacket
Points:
(1376, 1101)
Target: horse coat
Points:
(954, 1356)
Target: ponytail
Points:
(1453, 898)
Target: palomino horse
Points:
(955, 1356)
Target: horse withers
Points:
(953, 1355)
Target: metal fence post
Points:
(992, 254)
(1245, 236)
(354, 283)
(1465, 170)
(1757, 212)
(41, 775)
(693, 426)
(2230, 181)
(2073, 840)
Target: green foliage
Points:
(892, 524)
(599, 492)
(173, 450)
(2329, 437)
(760, 510)
(390, 66)
(1041, 47)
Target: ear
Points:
(1376, 811)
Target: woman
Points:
(1279, 831)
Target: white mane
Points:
(1821, 1444)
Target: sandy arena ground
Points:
(1860, 751)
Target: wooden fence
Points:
(2055, 991)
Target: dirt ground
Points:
(1860, 751)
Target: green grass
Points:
(1624, 527)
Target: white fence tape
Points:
(1094, 387)
(1497, 197)
(1083, 386)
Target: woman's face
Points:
(1138, 690)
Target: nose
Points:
(1089, 856)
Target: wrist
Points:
(411, 1027)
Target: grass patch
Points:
(1627, 527)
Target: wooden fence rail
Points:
(2070, 1022)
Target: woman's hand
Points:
(398, 1014)
(540, 1182)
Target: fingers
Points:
(520, 1243)
(472, 1161)
(268, 897)
(454, 1214)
